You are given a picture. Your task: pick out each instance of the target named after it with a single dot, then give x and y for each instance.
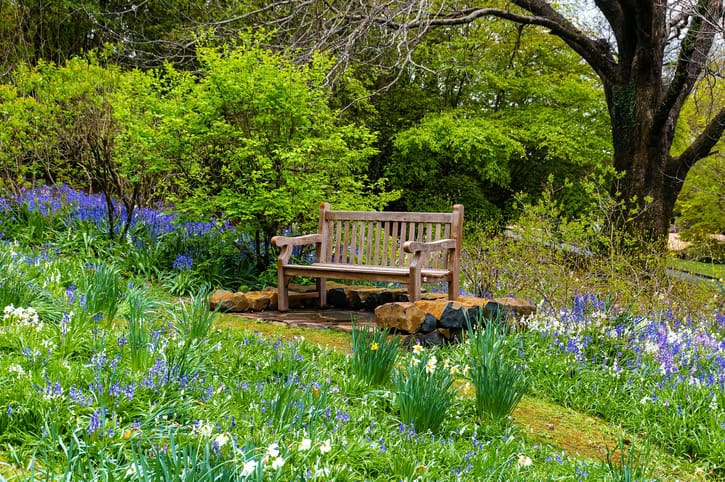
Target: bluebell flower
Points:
(183, 262)
(96, 422)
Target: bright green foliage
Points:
(700, 207)
(374, 354)
(86, 125)
(251, 138)
(500, 384)
(263, 146)
(451, 159)
(701, 203)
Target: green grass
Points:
(712, 270)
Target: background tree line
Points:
(167, 108)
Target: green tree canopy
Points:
(491, 131)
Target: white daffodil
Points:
(221, 439)
(273, 450)
(206, 430)
(249, 468)
(305, 444)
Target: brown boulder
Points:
(403, 316)
(218, 298)
(258, 300)
(228, 301)
(515, 306)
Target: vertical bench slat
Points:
(393, 253)
(369, 250)
(338, 242)
(362, 246)
(330, 243)
(446, 235)
(416, 234)
(400, 259)
(376, 255)
(345, 242)
(429, 238)
(386, 244)
(438, 256)
(381, 255)
(353, 250)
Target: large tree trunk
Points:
(641, 155)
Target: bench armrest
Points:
(281, 241)
(286, 243)
(416, 247)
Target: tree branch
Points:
(595, 52)
(692, 58)
(614, 14)
(700, 147)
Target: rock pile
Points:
(433, 320)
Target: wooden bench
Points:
(408, 248)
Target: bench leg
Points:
(322, 290)
(453, 287)
(282, 291)
(414, 289)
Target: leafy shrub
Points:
(706, 250)
(548, 257)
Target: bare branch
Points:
(700, 148)
(693, 56)
(595, 52)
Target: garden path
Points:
(339, 320)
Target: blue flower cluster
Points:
(80, 207)
(158, 239)
(183, 262)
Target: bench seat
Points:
(363, 273)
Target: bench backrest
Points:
(376, 238)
